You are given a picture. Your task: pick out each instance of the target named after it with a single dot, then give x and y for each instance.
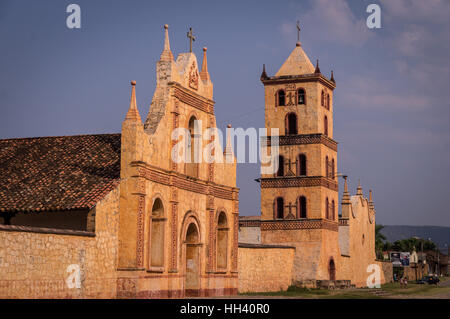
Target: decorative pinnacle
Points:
(346, 195)
(133, 113)
(204, 75)
(228, 148)
(359, 189)
(317, 70)
(166, 55)
(264, 74)
(332, 77)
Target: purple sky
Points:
(392, 109)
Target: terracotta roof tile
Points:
(57, 173)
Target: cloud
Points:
(333, 21)
(417, 11)
(377, 133)
(366, 92)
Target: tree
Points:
(413, 243)
(379, 241)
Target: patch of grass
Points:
(292, 291)
(414, 289)
(354, 294)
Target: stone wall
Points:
(265, 268)
(34, 262)
(387, 271)
(250, 235)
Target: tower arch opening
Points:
(291, 124)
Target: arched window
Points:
(301, 97)
(281, 98)
(333, 207)
(280, 171)
(333, 172)
(325, 125)
(193, 152)
(278, 208)
(327, 209)
(327, 173)
(291, 124)
(301, 165)
(157, 234)
(328, 101)
(302, 207)
(222, 241)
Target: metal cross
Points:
(191, 38)
(298, 31)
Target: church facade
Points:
(136, 222)
(120, 216)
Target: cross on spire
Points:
(298, 31)
(191, 38)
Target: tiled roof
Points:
(57, 173)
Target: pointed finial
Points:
(346, 195)
(166, 55)
(359, 189)
(317, 70)
(228, 149)
(264, 74)
(370, 196)
(332, 77)
(204, 75)
(133, 113)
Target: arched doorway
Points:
(192, 262)
(332, 270)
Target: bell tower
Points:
(299, 201)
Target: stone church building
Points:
(118, 216)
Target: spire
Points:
(297, 63)
(332, 77)
(166, 55)
(229, 158)
(346, 195)
(371, 205)
(204, 75)
(317, 70)
(264, 74)
(359, 189)
(133, 113)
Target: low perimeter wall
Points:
(264, 268)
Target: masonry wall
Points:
(250, 235)
(34, 265)
(387, 271)
(265, 269)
